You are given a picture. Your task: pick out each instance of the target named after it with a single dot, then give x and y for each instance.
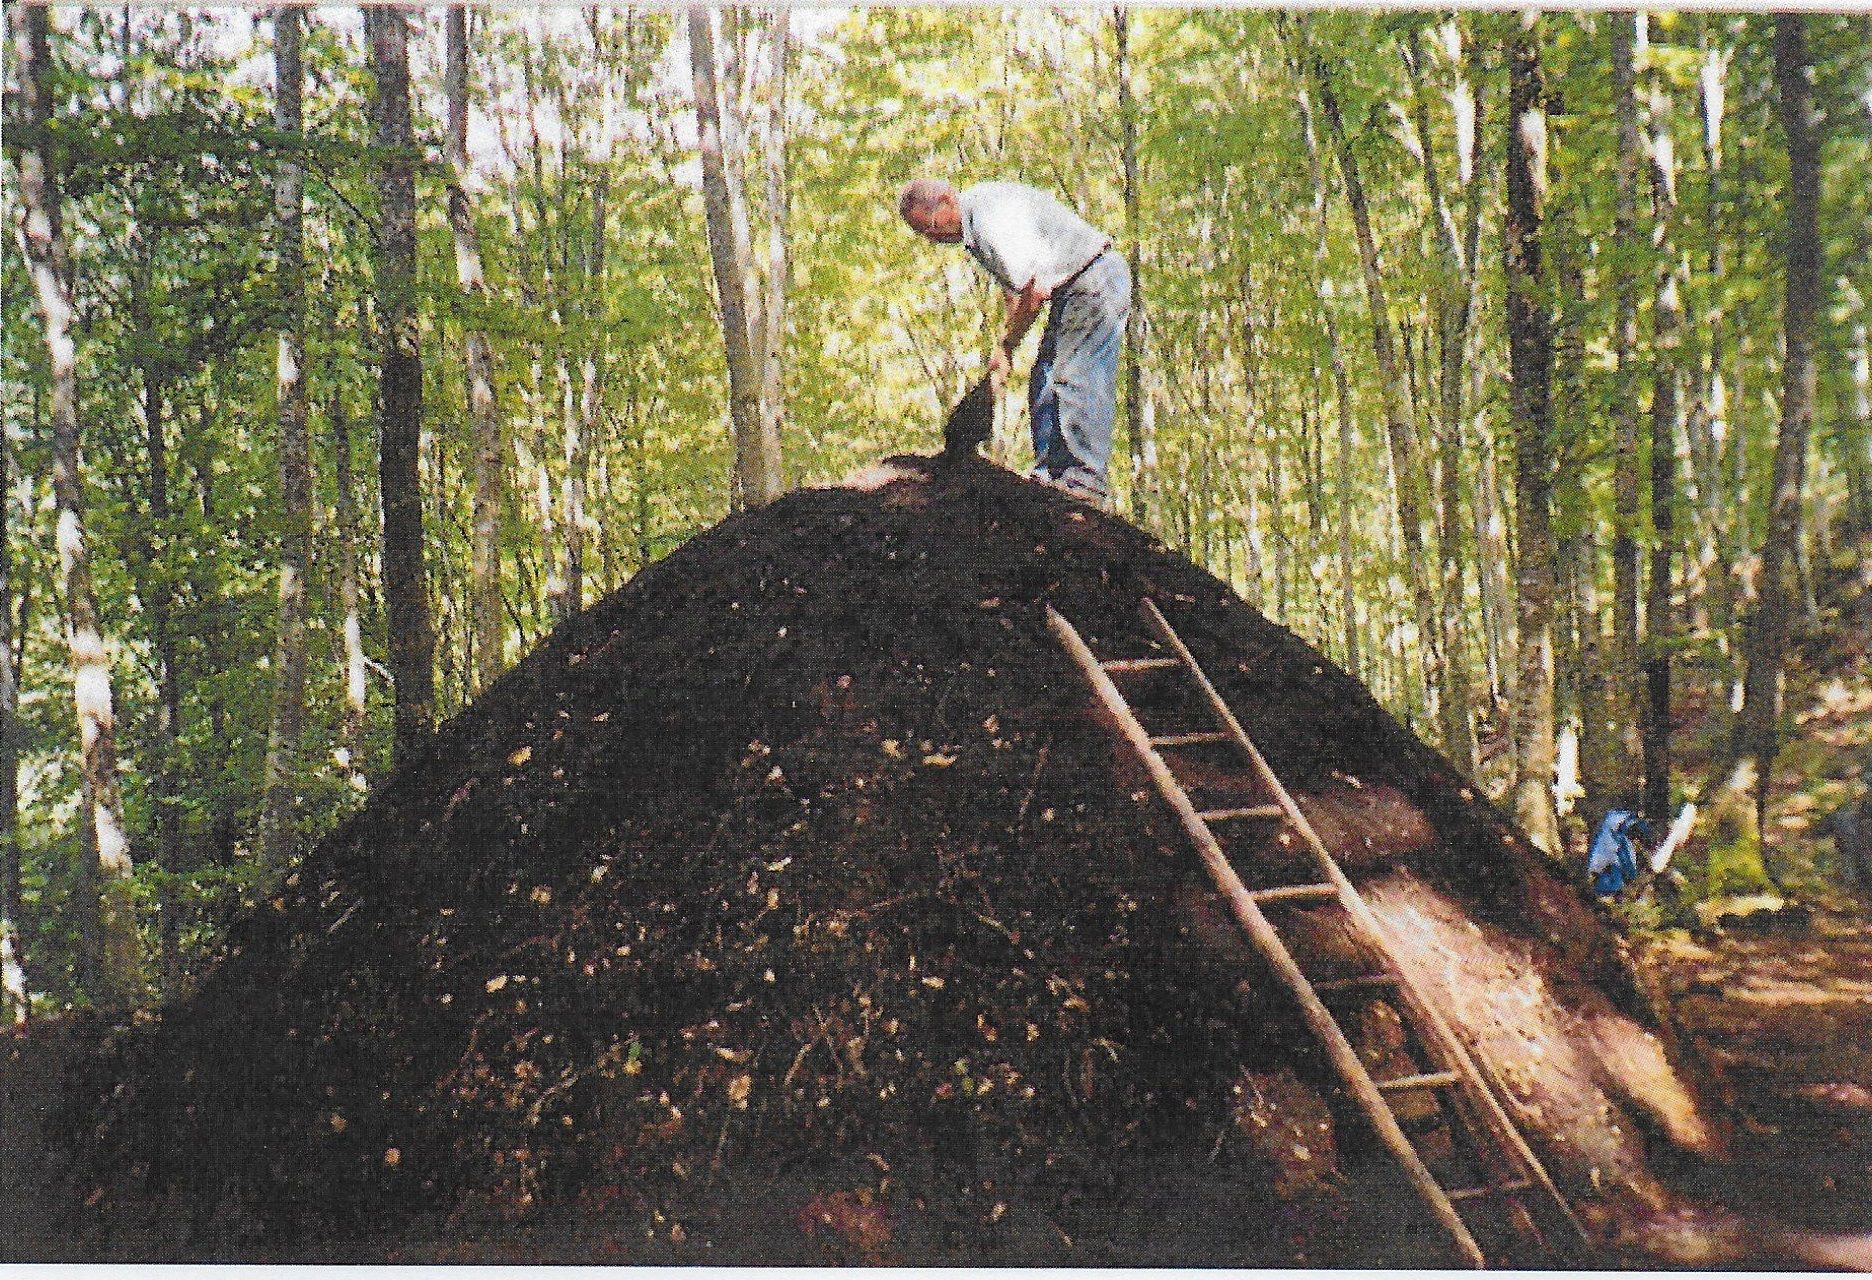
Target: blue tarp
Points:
(1613, 861)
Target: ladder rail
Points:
(1442, 1039)
(1248, 915)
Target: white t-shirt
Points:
(1020, 233)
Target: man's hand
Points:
(1024, 304)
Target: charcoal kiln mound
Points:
(795, 905)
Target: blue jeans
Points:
(1072, 393)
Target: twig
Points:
(786, 1081)
(348, 911)
(1033, 784)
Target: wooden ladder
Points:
(1514, 1178)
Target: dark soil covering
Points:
(793, 905)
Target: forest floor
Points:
(1779, 1003)
(901, 994)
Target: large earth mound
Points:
(794, 905)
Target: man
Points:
(1040, 251)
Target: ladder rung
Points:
(1359, 983)
(1189, 739)
(1124, 666)
(1295, 892)
(1428, 1080)
(1252, 811)
(1502, 1189)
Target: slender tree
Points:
(405, 577)
(114, 952)
(151, 553)
(773, 307)
(1335, 356)
(15, 1003)
(295, 453)
(1621, 701)
(1586, 739)
(1736, 797)
(351, 622)
(1400, 430)
(1666, 397)
(1453, 252)
(757, 478)
(1530, 357)
(1756, 742)
(597, 348)
(153, 566)
(1858, 434)
(1709, 424)
(1140, 409)
(488, 627)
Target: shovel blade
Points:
(971, 422)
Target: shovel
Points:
(971, 422)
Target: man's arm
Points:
(1023, 306)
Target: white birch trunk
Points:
(114, 949)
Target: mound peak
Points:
(794, 905)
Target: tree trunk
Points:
(15, 1002)
(405, 579)
(1667, 331)
(536, 561)
(295, 459)
(1750, 762)
(773, 310)
(1140, 408)
(488, 628)
(565, 579)
(345, 520)
(149, 549)
(596, 359)
(1251, 423)
(1622, 699)
(155, 585)
(1857, 433)
(1737, 794)
(1583, 734)
(1400, 431)
(1530, 354)
(1455, 291)
(1709, 425)
(113, 949)
(1342, 392)
(757, 479)
(1492, 548)
(1579, 560)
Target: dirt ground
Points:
(1785, 1025)
(1779, 1002)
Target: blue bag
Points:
(1613, 860)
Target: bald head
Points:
(931, 208)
